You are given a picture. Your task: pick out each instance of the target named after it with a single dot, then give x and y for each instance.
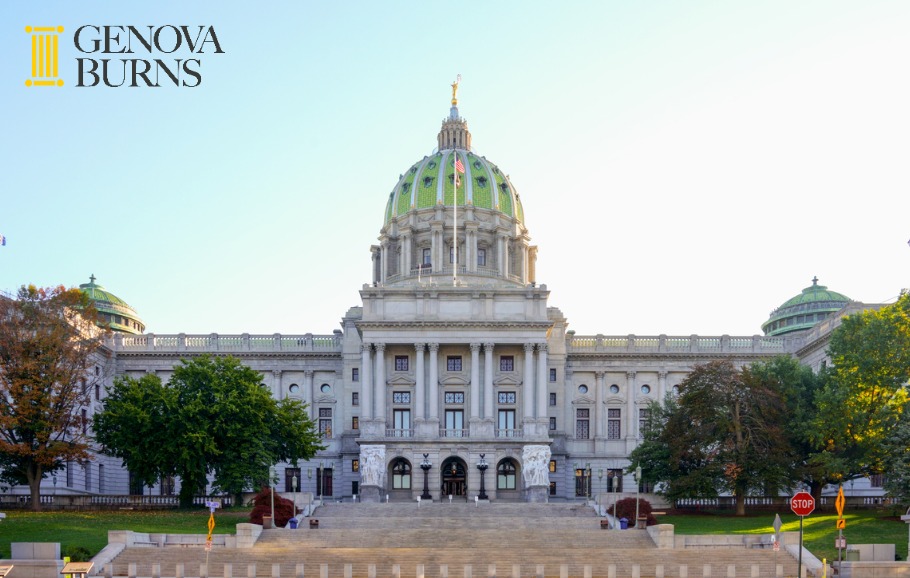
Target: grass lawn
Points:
(819, 532)
(89, 529)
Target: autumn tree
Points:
(723, 434)
(49, 340)
(214, 417)
(861, 406)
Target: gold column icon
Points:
(44, 56)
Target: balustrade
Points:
(215, 342)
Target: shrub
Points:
(262, 506)
(625, 508)
(77, 554)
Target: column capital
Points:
(475, 347)
(366, 346)
(542, 347)
(434, 347)
(488, 346)
(529, 347)
(630, 375)
(420, 347)
(276, 372)
(599, 374)
(380, 347)
(308, 373)
(662, 374)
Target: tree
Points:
(214, 416)
(862, 403)
(48, 339)
(724, 433)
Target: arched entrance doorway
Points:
(454, 478)
(507, 480)
(399, 485)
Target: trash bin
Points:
(266, 522)
(292, 523)
(314, 524)
(642, 522)
(624, 523)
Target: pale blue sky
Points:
(685, 167)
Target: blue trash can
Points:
(293, 523)
(623, 523)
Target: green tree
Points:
(48, 337)
(723, 433)
(860, 407)
(215, 417)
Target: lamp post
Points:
(588, 480)
(637, 477)
(425, 465)
(320, 470)
(482, 466)
(600, 484)
(272, 488)
(294, 494)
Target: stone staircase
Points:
(456, 535)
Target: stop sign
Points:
(802, 504)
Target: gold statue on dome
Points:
(455, 90)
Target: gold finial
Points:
(455, 90)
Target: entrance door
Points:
(454, 480)
(324, 482)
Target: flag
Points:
(459, 166)
(3, 239)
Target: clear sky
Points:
(685, 167)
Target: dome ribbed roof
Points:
(114, 310)
(429, 182)
(803, 311)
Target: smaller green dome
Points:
(803, 311)
(114, 310)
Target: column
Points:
(384, 261)
(543, 380)
(500, 257)
(475, 381)
(434, 243)
(661, 385)
(631, 420)
(527, 392)
(434, 382)
(308, 394)
(379, 385)
(366, 381)
(599, 421)
(276, 384)
(419, 403)
(488, 381)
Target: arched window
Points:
(401, 474)
(505, 475)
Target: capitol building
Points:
(455, 358)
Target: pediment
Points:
(507, 380)
(583, 400)
(454, 380)
(401, 380)
(324, 399)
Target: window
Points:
(69, 476)
(552, 466)
(506, 397)
(552, 399)
(135, 485)
(325, 388)
(168, 486)
(294, 388)
(505, 475)
(877, 480)
(291, 479)
(426, 256)
(644, 416)
(583, 482)
(451, 254)
(614, 388)
(401, 475)
(582, 423)
(355, 422)
(552, 374)
(87, 473)
(355, 398)
(325, 421)
(401, 397)
(582, 389)
(454, 423)
(355, 374)
(506, 423)
(97, 391)
(552, 424)
(614, 480)
(454, 397)
(453, 363)
(97, 370)
(84, 422)
(101, 478)
(613, 424)
(552, 488)
(401, 420)
(506, 363)
(646, 389)
(355, 465)
(481, 257)
(401, 363)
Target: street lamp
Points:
(600, 483)
(425, 465)
(294, 489)
(272, 488)
(482, 466)
(637, 477)
(588, 480)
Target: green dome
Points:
(114, 310)
(812, 305)
(429, 183)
